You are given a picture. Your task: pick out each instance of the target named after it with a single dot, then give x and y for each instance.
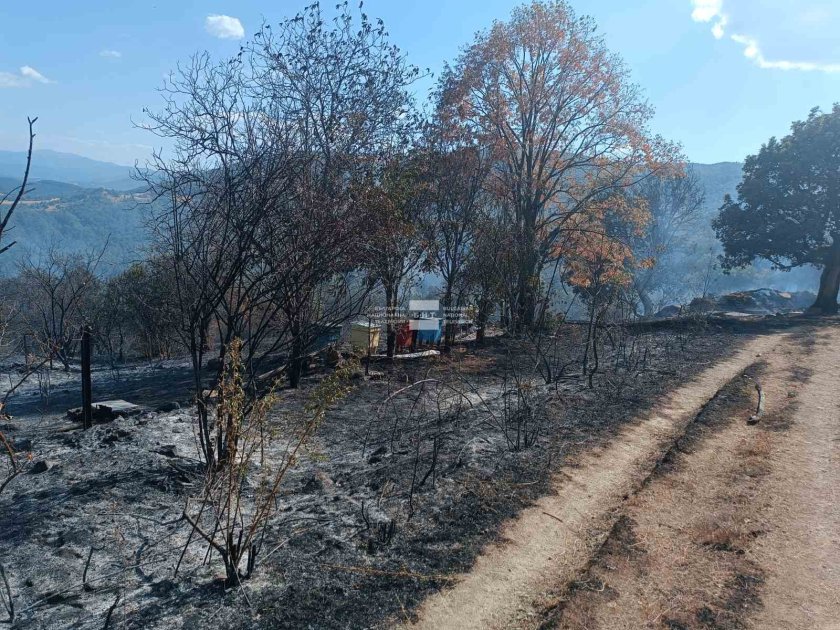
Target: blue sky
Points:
(723, 75)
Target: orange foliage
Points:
(568, 132)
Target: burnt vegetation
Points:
(275, 473)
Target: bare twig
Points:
(85, 586)
(111, 611)
(10, 607)
(21, 190)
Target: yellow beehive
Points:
(363, 336)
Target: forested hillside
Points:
(75, 218)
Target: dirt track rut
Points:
(515, 582)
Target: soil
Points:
(403, 492)
(739, 526)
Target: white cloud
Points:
(27, 75)
(753, 51)
(706, 11)
(110, 54)
(719, 28)
(711, 11)
(31, 73)
(224, 27)
(10, 80)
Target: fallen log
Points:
(107, 411)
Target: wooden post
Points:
(367, 363)
(87, 393)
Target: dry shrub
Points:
(233, 512)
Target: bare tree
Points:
(259, 219)
(56, 290)
(395, 201)
(6, 313)
(486, 269)
(458, 171)
(674, 205)
(144, 297)
(346, 86)
(230, 164)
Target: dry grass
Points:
(723, 533)
(677, 559)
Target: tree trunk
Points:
(479, 334)
(448, 326)
(829, 285)
(829, 282)
(296, 364)
(391, 340)
(526, 299)
(528, 280)
(391, 293)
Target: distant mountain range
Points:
(69, 168)
(718, 179)
(77, 204)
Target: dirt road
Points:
(738, 527)
(801, 551)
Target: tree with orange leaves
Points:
(564, 124)
(599, 260)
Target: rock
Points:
(756, 302)
(167, 450)
(669, 311)
(702, 305)
(41, 466)
(377, 455)
(168, 406)
(22, 445)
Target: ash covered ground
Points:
(406, 480)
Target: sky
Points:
(723, 75)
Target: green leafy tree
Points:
(788, 208)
